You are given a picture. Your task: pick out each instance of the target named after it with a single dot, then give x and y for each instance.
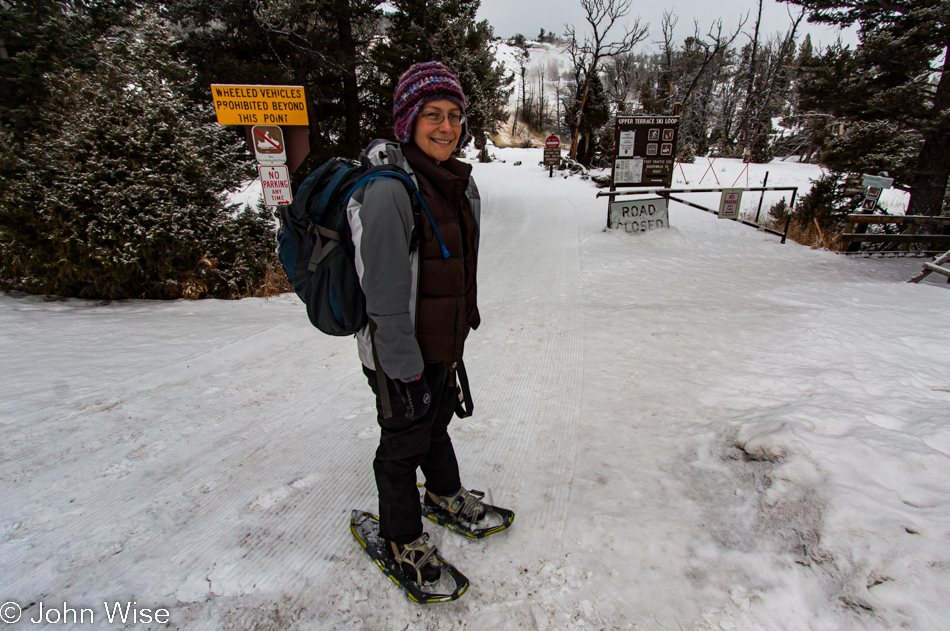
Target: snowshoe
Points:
(466, 513)
(450, 585)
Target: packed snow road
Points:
(699, 428)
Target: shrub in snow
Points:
(828, 203)
(595, 134)
(779, 211)
(687, 153)
(124, 196)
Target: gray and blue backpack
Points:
(316, 248)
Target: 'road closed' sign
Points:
(640, 215)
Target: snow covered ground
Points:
(699, 428)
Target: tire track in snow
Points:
(526, 362)
(247, 440)
(267, 472)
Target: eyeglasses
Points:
(437, 117)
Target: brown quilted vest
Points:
(447, 288)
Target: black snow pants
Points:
(405, 445)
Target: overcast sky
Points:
(530, 16)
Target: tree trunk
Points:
(744, 132)
(298, 65)
(351, 91)
(580, 114)
(541, 99)
(933, 163)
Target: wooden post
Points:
(821, 235)
(933, 267)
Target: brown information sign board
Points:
(259, 104)
(645, 151)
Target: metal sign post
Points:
(274, 118)
(729, 203)
(876, 185)
(276, 127)
(877, 181)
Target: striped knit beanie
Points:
(427, 81)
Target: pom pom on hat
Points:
(427, 81)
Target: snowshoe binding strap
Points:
(417, 555)
(465, 505)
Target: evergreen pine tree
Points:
(827, 203)
(124, 195)
(444, 31)
(42, 36)
(594, 137)
(899, 75)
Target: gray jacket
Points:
(382, 225)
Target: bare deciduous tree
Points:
(699, 52)
(587, 53)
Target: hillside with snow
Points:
(545, 62)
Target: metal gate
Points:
(668, 194)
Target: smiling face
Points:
(437, 141)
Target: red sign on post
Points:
(276, 183)
(552, 142)
(729, 203)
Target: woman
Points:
(421, 302)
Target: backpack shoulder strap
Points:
(308, 187)
(331, 186)
(392, 171)
(384, 170)
(388, 170)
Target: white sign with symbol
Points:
(729, 204)
(276, 183)
(269, 147)
(626, 144)
(877, 181)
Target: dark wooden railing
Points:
(905, 234)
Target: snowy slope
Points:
(699, 428)
(542, 57)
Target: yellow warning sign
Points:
(259, 104)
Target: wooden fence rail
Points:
(855, 231)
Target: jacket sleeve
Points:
(382, 224)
